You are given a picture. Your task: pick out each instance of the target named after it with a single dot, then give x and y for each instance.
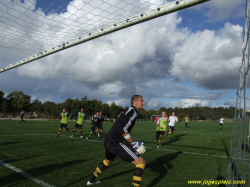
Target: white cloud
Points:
(120, 102)
(208, 57)
(150, 59)
(153, 103)
(185, 103)
(63, 88)
(218, 10)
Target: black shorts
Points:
(221, 124)
(63, 125)
(77, 125)
(100, 126)
(93, 127)
(124, 151)
(158, 133)
(171, 128)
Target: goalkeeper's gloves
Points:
(138, 146)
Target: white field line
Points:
(30, 177)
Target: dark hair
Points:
(134, 98)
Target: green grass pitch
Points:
(199, 152)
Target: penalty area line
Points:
(23, 173)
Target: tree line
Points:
(16, 101)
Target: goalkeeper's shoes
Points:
(57, 136)
(72, 136)
(92, 183)
(81, 136)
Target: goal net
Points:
(32, 29)
(239, 156)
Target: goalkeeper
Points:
(119, 143)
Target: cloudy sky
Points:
(184, 59)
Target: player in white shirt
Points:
(221, 123)
(172, 120)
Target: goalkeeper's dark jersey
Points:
(123, 124)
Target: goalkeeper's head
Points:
(137, 101)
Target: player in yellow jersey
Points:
(64, 116)
(161, 127)
(79, 122)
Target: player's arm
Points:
(128, 118)
(127, 137)
(60, 117)
(84, 119)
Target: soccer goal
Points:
(239, 156)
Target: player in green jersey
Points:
(79, 122)
(161, 127)
(64, 121)
(186, 121)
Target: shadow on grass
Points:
(245, 147)
(161, 166)
(8, 143)
(18, 176)
(174, 139)
(87, 177)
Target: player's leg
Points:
(170, 132)
(60, 129)
(80, 131)
(93, 127)
(160, 138)
(140, 164)
(101, 167)
(101, 129)
(74, 129)
(65, 127)
(220, 126)
(127, 153)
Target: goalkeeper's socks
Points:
(138, 174)
(100, 168)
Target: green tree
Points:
(36, 106)
(5, 106)
(18, 101)
(115, 110)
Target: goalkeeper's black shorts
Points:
(124, 151)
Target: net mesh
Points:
(31, 26)
(239, 157)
